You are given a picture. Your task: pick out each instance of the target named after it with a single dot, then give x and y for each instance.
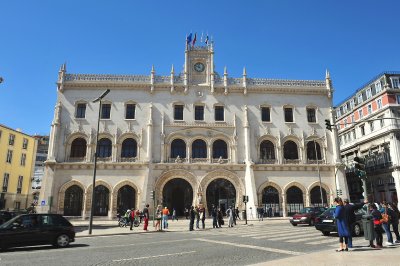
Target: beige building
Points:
(17, 159)
(193, 137)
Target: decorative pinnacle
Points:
(244, 71)
(172, 69)
(327, 75)
(152, 69)
(225, 72)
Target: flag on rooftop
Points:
(189, 39)
(194, 39)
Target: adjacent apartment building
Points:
(369, 127)
(194, 136)
(41, 157)
(17, 157)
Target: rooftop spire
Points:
(172, 69)
(244, 71)
(327, 75)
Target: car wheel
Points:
(294, 224)
(326, 233)
(62, 241)
(356, 230)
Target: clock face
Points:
(199, 67)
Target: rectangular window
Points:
(105, 111)
(369, 108)
(345, 108)
(337, 113)
(5, 182)
(360, 113)
(352, 119)
(80, 110)
(130, 111)
(25, 144)
(382, 122)
(395, 83)
(288, 114)
(199, 113)
(219, 113)
(311, 115)
(378, 86)
(9, 156)
(352, 104)
(368, 93)
(178, 112)
(360, 99)
(23, 159)
(362, 130)
(19, 185)
(379, 103)
(11, 139)
(265, 114)
(371, 126)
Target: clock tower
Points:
(199, 65)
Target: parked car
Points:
(326, 222)
(36, 229)
(306, 216)
(7, 215)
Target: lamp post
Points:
(319, 174)
(95, 158)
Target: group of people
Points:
(132, 215)
(218, 218)
(383, 215)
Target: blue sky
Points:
(355, 40)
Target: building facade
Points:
(41, 157)
(17, 157)
(368, 127)
(192, 137)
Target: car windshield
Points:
(9, 222)
(329, 212)
(306, 210)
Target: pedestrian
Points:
(197, 214)
(341, 224)
(202, 212)
(350, 218)
(261, 214)
(377, 217)
(229, 214)
(192, 215)
(214, 213)
(220, 218)
(387, 214)
(237, 213)
(394, 221)
(132, 218)
(174, 215)
(158, 218)
(146, 216)
(165, 214)
(186, 213)
(234, 215)
(270, 212)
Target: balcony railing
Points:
(128, 159)
(267, 161)
(220, 160)
(76, 159)
(291, 161)
(104, 159)
(322, 161)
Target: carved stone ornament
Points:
(178, 159)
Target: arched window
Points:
(220, 149)
(129, 148)
(178, 148)
(199, 149)
(311, 147)
(290, 150)
(267, 150)
(78, 148)
(104, 148)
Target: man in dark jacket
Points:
(214, 216)
(350, 217)
(192, 215)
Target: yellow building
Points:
(17, 161)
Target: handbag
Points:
(385, 218)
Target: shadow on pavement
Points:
(38, 248)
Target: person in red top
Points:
(165, 213)
(146, 217)
(132, 217)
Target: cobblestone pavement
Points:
(269, 242)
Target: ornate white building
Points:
(193, 137)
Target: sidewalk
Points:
(110, 227)
(359, 256)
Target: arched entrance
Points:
(221, 193)
(315, 196)
(270, 201)
(73, 201)
(178, 195)
(295, 201)
(101, 200)
(126, 198)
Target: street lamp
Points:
(319, 174)
(95, 158)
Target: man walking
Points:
(146, 216)
(192, 216)
(350, 218)
(214, 216)
(229, 213)
(237, 213)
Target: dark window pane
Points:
(81, 110)
(129, 148)
(311, 116)
(288, 115)
(220, 149)
(130, 111)
(267, 150)
(105, 111)
(178, 147)
(265, 114)
(104, 148)
(311, 147)
(199, 149)
(290, 150)
(199, 113)
(178, 112)
(78, 148)
(219, 113)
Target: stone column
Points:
(150, 135)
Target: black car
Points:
(36, 229)
(326, 222)
(7, 215)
